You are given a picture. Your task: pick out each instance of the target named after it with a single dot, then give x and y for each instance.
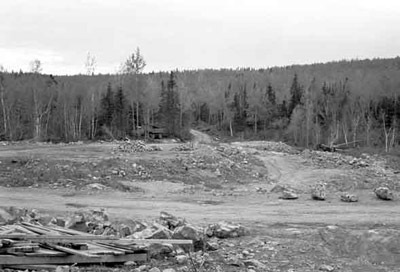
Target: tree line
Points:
(353, 102)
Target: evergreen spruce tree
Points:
(169, 107)
(271, 95)
(107, 107)
(120, 113)
(296, 93)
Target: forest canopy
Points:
(353, 102)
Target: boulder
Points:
(188, 232)
(226, 230)
(144, 234)
(77, 222)
(161, 233)
(169, 270)
(289, 195)
(384, 193)
(254, 263)
(5, 217)
(171, 221)
(326, 267)
(160, 251)
(124, 230)
(348, 198)
(319, 192)
(181, 259)
(155, 232)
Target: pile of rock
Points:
(135, 146)
(184, 147)
(166, 227)
(269, 146)
(140, 171)
(330, 159)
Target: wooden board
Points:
(87, 238)
(13, 260)
(41, 252)
(36, 267)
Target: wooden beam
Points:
(33, 267)
(70, 251)
(103, 259)
(88, 238)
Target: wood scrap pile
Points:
(24, 245)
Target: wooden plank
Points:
(71, 259)
(42, 252)
(36, 267)
(117, 248)
(85, 238)
(70, 231)
(56, 237)
(154, 241)
(70, 251)
(39, 229)
(24, 230)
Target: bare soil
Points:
(297, 231)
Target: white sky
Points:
(194, 33)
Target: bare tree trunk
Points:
(65, 124)
(230, 127)
(392, 140)
(356, 121)
(133, 118)
(345, 134)
(385, 132)
(255, 123)
(36, 117)
(137, 114)
(368, 130)
(3, 106)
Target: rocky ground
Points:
(248, 206)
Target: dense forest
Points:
(354, 102)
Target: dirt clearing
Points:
(210, 182)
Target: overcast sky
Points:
(186, 34)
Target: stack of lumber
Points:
(25, 245)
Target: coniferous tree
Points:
(271, 95)
(120, 113)
(107, 107)
(296, 93)
(169, 107)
